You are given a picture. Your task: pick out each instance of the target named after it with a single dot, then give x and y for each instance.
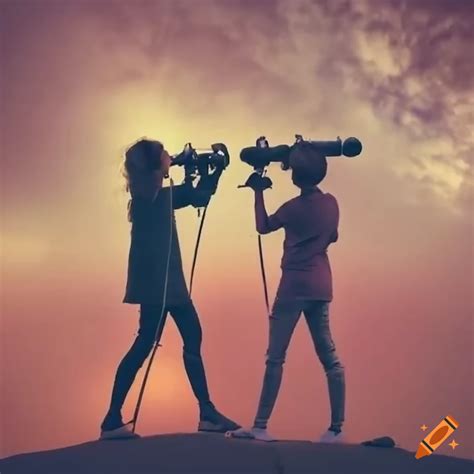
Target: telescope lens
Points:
(351, 147)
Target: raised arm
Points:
(265, 223)
(206, 187)
(199, 196)
(182, 195)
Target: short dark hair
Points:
(309, 165)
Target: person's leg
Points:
(283, 319)
(317, 317)
(132, 362)
(187, 321)
(188, 324)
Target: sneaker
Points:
(332, 437)
(215, 422)
(121, 432)
(112, 420)
(261, 434)
(242, 433)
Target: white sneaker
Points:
(261, 434)
(122, 432)
(332, 437)
(258, 434)
(241, 433)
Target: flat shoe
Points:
(122, 432)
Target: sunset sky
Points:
(81, 80)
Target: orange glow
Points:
(83, 81)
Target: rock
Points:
(209, 453)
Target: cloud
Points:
(185, 46)
(410, 61)
(321, 67)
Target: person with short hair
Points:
(155, 265)
(310, 221)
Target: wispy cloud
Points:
(398, 71)
(407, 62)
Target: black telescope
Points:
(201, 163)
(262, 154)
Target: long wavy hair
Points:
(142, 160)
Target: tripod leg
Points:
(196, 248)
(264, 277)
(156, 344)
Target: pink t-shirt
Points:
(310, 222)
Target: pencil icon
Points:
(437, 437)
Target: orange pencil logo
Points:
(437, 437)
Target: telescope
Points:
(261, 155)
(199, 162)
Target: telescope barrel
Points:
(328, 148)
(262, 155)
(217, 155)
(350, 147)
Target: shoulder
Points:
(332, 203)
(330, 198)
(292, 202)
(288, 205)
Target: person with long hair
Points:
(156, 282)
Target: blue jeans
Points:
(283, 319)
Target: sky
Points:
(81, 80)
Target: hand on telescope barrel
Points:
(258, 182)
(206, 187)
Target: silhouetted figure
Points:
(310, 222)
(153, 223)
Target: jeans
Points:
(283, 319)
(187, 320)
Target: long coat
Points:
(152, 225)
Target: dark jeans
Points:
(187, 320)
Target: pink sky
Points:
(82, 80)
